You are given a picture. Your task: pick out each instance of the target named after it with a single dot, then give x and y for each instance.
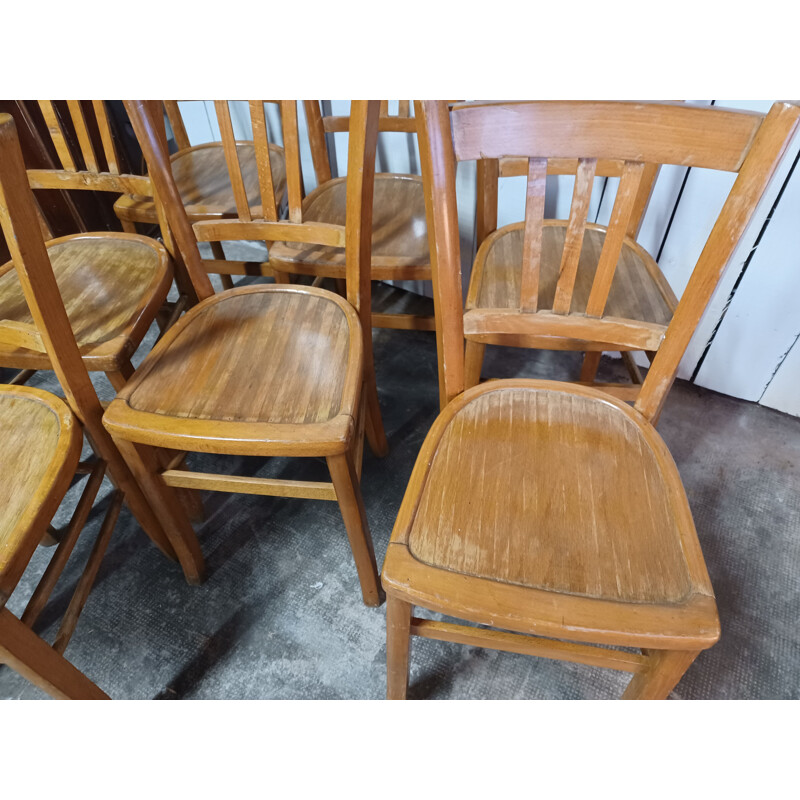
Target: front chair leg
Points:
(35, 660)
(143, 463)
(398, 641)
(348, 493)
(665, 668)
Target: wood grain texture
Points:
(41, 442)
(111, 284)
(201, 174)
(203, 377)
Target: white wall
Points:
(746, 343)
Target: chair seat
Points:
(399, 233)
(41, 444)
(552, 510)
(201, 175)
(639, 290)
(112, 284)
(261, 370)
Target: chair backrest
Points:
(261, 222)
(628, 138)
(53, 332)
(319, 124)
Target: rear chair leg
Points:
(666, 668)
(473, 363)
(591, 361)
(398, 640)
(351, 503)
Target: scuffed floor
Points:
(280, 615)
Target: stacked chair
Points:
(553, 513)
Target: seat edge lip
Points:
(688, 625)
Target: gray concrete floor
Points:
(280, 615)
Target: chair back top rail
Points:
(634, 138)
(100, 170)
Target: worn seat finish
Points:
(399, 231)
(41, 445)
(201, 174)
(262, 367)
(496, 511)
(111, 285)
(638, 291)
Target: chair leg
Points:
(398, 642)
(219, 255)
(35, 660)
(128, 226)
(143, 463)
(662, 675)
(376, 435)
(281, 277)
(473, 363)
(591, 361)
(351, 503)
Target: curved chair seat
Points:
(265, 370)
(399, 231)
(555, 511)
(639, 290)
(41, 443)
(201, 174)
(112, 284)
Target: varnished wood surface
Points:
(556, 512)
(111, 285)
(399, 231)
(250, 370)
(201, 174)
(639, 290)
(41, 442)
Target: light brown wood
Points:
(399, 241)
(398, 640)
(554, 510)
(204, 387)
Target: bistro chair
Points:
(112, 284)
(264, 370)
(553, 513)
(41, 438)
(201, 175)
(399, 234)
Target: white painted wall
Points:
(744, 346)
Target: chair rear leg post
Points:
(128, 226)
(219, 255)
(348, 493)
(662, 675)
(398, 642)
(143, 463)
(591, 361)
(376, 435)
(36, 661)
(473, 363)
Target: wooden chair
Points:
(552, 512)
(639, 290)
(261, 370)
(41, 440)
(112, 284)
(399, 235)
(201, 174)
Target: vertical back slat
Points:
(266, 185)
(176, 123)
(84, 140)
(404, 109)
(106, 137)
(57, 134)
(648, 181)
(316, 137)
(624, 202)
(532, 242)
(488, 174)
(573, 241)
(232, 159)
(291, 149)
